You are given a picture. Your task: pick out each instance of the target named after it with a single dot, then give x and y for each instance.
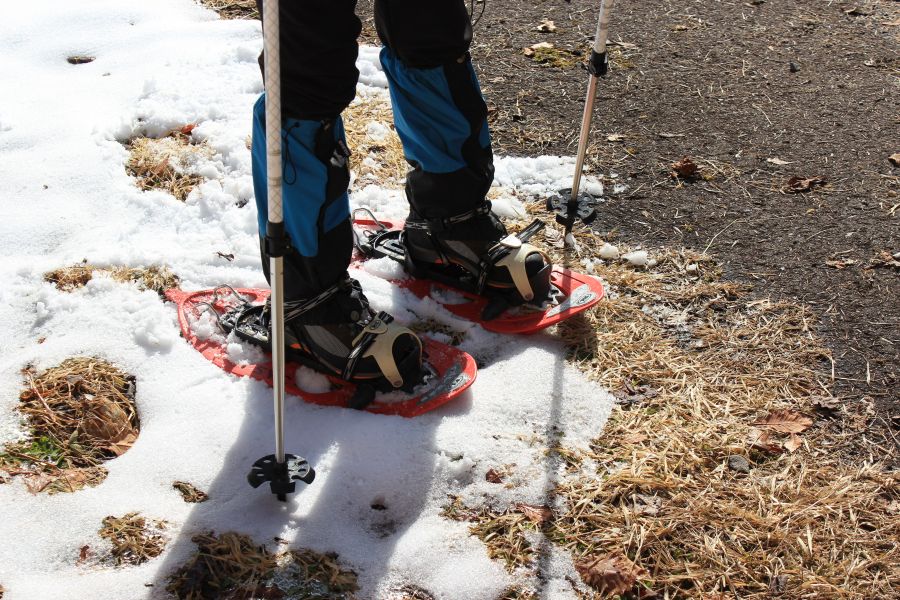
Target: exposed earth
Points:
(755, 92)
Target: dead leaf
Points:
(631, 394)
(37, 482)
(786, 421)
(229, 257)
(609, 575)
(633, 438)
(777, 161)
(536, 514)
(106, 423)
(531, 50)
(762, 440)
(83, 554)
(842, 263)
(615, 137)
(793, 443)
(684, 168)
(160, 168)
(546, 26)
(646, 505)
(187, 129)
(796, 184)
(493, 476)
(122, 446)
(895, 159)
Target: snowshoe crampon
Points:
(571, 292)
(448, 372)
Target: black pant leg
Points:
(318, 57)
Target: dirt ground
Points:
(754, 92)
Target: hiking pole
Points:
(281, 470)
(582, 205)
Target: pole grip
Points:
(602, 27)
(272, 67)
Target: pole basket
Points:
(583, 208)
(282, 477)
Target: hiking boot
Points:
(474, 252)
(338, 334)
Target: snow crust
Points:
(66, 197)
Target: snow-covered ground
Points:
(65, 197)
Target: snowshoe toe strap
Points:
(377, 341)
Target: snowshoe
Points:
(371, 363)
(511, 287)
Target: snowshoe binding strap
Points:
(442, 224)
(376, 341)
(510, 253)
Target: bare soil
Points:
(755, 92)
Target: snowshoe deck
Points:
(452, 370)
(574, 292)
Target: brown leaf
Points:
(187, 129)
(37, 482)
(684, 168)
(609, 575)
(895, 158)
(793, 443)
(546, 26)
(786, 421)
(493, 476)
(124, 444)
(536, 514)
(633, 438)
(83, 554)
(762, 440)
(797, 185)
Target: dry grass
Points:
(166, 163)
(134, 542)
(189, 492)
(79, 413)
(233, 9)
(156, 278)
(697, 367)
(231, 565)
(378, 153)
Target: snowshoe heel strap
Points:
(510, 253)
(376, 341)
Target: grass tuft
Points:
(134, 542)
(79, 414)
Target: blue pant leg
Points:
(314, 195)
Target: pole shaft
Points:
(271, 35)
(585, 133)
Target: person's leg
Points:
(325, 311)
(441, 118)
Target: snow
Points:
(66, 197)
